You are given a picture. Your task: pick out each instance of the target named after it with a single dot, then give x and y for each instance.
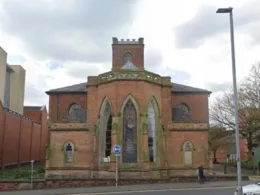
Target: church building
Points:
(161, 126)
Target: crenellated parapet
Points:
(128, 41)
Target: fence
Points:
(21, 138)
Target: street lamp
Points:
(239, 178)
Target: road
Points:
(212, 188)
(192, 191)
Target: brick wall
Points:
(175, 141)
(59, 104)
(198, 105)
(22, 138)
(82, 141)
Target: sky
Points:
(61, 42)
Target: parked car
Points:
(251, 189)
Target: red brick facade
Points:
(23, 138)
(117, 88)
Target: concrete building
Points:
(12, 84)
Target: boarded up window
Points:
(187, 149)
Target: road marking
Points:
(163, 190)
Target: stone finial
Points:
(115, 40)
(141, 40)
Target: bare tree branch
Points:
(222, 111)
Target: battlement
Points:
(128, 41)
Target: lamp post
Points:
(239, 178)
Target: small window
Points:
(69, 152)
(128, 57)
(187, 149)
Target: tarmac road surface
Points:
(191, 191)
(212, 188)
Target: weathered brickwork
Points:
(115, 88)
(59, 104)
(198, 104)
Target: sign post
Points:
(32, 173)
(117, 151)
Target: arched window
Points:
(107, 132)
(68, 149)
(183, 107)
(73, 106)
(129, 133)
(187, 149)
(151, 132)
(128, 57)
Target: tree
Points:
(218, 138)
(222, 111)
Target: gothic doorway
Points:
(129, 147)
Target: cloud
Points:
(218, 87)
(34, 95)
(206, 24)
(67, 30)
(153, 59)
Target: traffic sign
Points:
(117, 149)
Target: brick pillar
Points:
(145, 149)
(114, 141)
(93, 118)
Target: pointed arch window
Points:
(187, 149)
(151, 132)
(68, 152)
(129, 133)
(107, 132)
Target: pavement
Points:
(212, 188)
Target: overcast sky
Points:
(61, 42)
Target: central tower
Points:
(128, 54)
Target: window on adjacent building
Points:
(151, 132)
(187, 149)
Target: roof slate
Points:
(82, 88)
(32, 108)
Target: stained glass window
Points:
(108, 136)
(151, 132)
(129, 133)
